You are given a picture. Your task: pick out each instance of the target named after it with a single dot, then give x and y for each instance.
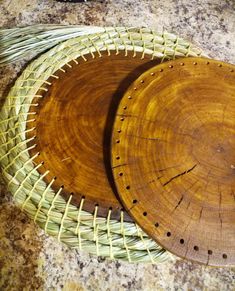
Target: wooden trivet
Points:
(173, 157)
(73, 126)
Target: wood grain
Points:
(173, 157)
(73, 127)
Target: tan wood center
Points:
(73, 126)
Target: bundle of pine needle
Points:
(17, 43)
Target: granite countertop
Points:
(29, 259)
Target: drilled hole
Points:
(122, 118)
(142, 81)
(117, 158)
(168, 234)
(128, 187)
(134, 201)
(135, 88)
(121, 174)
(119, 130)
(231, 70)
(170, 66)
(117, 141)
(207, 63)
(182, 64)
(219, 65)
(196, 248)
(156, 224)
(144, 213)
(182, 241)
(129, 97)
(195, 63)
(225, 256)
(125, 107)
(152, 74)
(161, 70)
(209, 252)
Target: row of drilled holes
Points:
(182, 64)
(134, 201)
(161, 70)
(196, 248)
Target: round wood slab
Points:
(73, 126)
(173, 157)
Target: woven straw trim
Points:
(59, 218)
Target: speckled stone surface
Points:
(30, 260)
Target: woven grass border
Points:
(59, 218)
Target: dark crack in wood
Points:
(114, 167)
(146, 138)
(200, 215)
(178, 204)
(167, 168)
(179, 175)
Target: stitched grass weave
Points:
(115, 239)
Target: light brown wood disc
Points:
(73, 126)
(173, 157)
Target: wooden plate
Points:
(173, 157)
(73, 126)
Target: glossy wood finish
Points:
(73, 126)
(173, 157)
